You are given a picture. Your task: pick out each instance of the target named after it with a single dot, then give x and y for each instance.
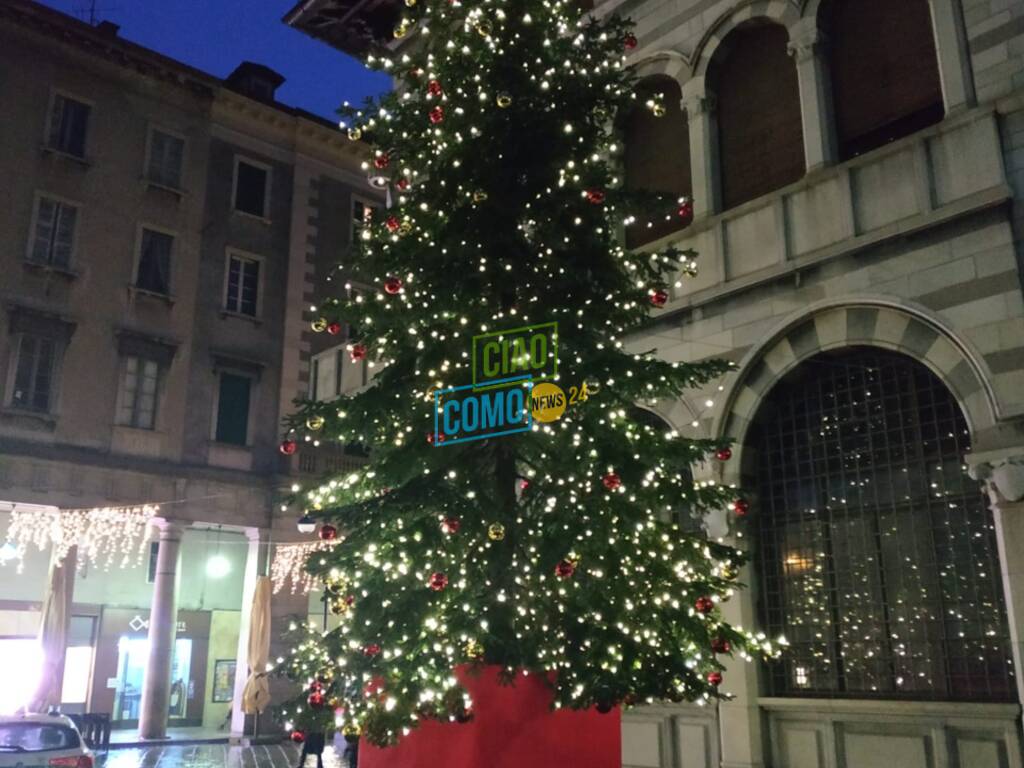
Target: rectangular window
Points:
(233, 409)
(33, 376)
(139, 383)
(68, 122)
(155, 262)
(166, 153)
(243, 283)
(324, 379)
(54, 237)
(362, 217)
(251, 188)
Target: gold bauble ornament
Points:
(350, 730)
(496, 532)
(729, 572)
(319, 325)
(355, 133)
(484, 28)
(315, 423)
(479, 196)
(405, 228)
(410, 3)
(504, 100)
(474, 650)
(658, 109)
(401, 30)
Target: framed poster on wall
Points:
(223, 680)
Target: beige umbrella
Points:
(53, 634)
(256, 695)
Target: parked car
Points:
(42, 741)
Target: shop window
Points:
(761, 145)
(877, 552)
(885, 71)
(657, 153)
(252, 187)
(153, 273)
(233, 409)
(69, 120)
(53, 233)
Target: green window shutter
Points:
(233, 409)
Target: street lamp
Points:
(306, 524)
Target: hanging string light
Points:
(289, 565)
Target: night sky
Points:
(215, 35)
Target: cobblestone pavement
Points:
(214, 756)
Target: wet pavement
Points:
(214, 756)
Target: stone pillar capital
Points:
(168, 527)
(1002, 473)
(806, 41)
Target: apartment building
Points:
(161, 231)
(858, 174)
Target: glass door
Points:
(132, 655)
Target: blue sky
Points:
(215, 35)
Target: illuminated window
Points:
(877, 552)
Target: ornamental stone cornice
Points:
(1001, 471)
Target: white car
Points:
(42, 741)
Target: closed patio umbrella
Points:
(53, 634)
(256, 695)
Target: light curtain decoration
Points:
(105, 536)
(289, 565)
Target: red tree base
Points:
(513, 727)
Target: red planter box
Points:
(513, 728)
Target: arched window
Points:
(877, 552)
(885, 72)
(761, 143)
(657, 153)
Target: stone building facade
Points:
(857, 168)
(160, 241)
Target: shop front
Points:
(121, 653)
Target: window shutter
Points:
(66, 217)
(760, 131)
(233, 409)
(174, 160)
(46, 220)
(250, 287)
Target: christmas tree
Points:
(554, 549)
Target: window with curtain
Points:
(760, 133)
(657, 153)
(154, 272)
(885, 71)
(69, 120)
(877, 552)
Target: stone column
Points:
(163, 625)
(253, 568)
(806, 46)
(1004, 482)
(700, 111)
(954, 55)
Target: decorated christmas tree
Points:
(515, 510)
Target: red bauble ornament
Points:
(723, 454)
(434, 88)
(392, 223)
(451, 525)
(715, 678)
(595, 196)
(381, 161)
(402, 184)
(659, 297)
(316, 700)
(438, 581)
(298, 737)
(686, 211)
(392, 285)
(565, 569)
(704, 605)
(288, 447)
(611, 481)
(629, 41)
(328, 532)
(741, 507)
(371, 650)
(358, 352)
(334, 328)
(720, 645)
(432, 438)
(437, 114)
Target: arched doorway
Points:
(876, 552)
